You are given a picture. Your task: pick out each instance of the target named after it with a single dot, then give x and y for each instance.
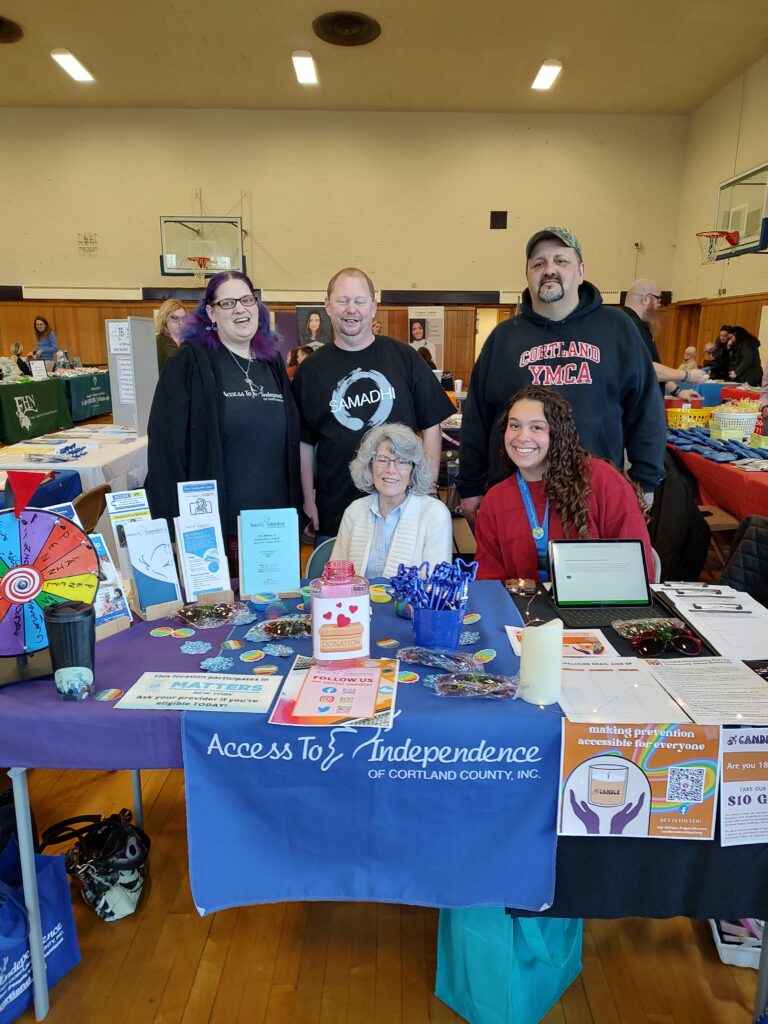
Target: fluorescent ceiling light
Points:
(304, 66)
(72, 65)
(548, 72)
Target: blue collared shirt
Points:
(383, 531)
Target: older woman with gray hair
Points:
(398, 521)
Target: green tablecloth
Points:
(89, 395)
(32, 408)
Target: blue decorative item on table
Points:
(438, 599)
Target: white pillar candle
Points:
(541, 663)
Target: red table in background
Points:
(738, 492)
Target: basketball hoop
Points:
(709, 242)
(201, 265)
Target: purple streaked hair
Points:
(197, 328)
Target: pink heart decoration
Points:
(353, 608)
(342, 620)
(327, 615)
(338, 604)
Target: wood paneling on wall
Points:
(698, 322)
(79, 324)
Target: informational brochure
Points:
(111, 602)
(269, 551)
(199, 540)
(624, 779)
(344, 682)
(714, 690)
(200, 691)
(577, 643)
(615, 690)
(153, 568)
(744, 786)
(67, 511)
(734, 623)
(125, 507)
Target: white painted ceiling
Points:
(658, 57)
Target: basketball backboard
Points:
(219, 239)
(742, 205)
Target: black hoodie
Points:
(597, 360)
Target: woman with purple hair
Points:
(223, 410)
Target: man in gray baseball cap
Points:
(565, 338)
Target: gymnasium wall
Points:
(725, 136)
(407, 196)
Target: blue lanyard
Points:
(540, 533)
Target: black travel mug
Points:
(71, 627)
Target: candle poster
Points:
(657, 780)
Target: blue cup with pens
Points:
(438, 599)
(434, 627)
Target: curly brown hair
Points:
(568, 470)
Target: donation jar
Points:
(341, 617)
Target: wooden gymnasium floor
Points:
(326, 963)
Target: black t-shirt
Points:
(342, 394)
(254, 427)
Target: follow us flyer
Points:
(744, 786)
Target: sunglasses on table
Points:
(656, 642)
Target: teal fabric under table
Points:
(89, 395)
(31, 408)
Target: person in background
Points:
(558, 490)
(357, 382)
(563, 336)
(304, 352)
(426, 355)
(764, 399)
(168, 323)
(223, 411)
(397, 521)
(744, 366)
(689, 359)
(717, 361)
(46, 343)
(376, 328)
(642, 306)
(17, 354)
(293, 363)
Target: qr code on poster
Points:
(686, 785)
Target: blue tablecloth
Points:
(454, 806)
(64, 487)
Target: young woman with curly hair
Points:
(557, 490)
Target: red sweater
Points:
(505, 547)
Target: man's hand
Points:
(310, 511)
(687, 394)
(469, 507)
(697, 376)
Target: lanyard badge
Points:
(539, 531)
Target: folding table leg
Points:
(138, 807)
(18, 777)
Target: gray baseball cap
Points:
(562, 234)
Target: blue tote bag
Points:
(58, 925)
(497, 969)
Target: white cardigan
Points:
(424, 533)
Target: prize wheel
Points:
(44, 559)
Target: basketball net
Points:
(709, 243)
(200, 264)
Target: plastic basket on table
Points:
(683, 419)
(728, 422)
